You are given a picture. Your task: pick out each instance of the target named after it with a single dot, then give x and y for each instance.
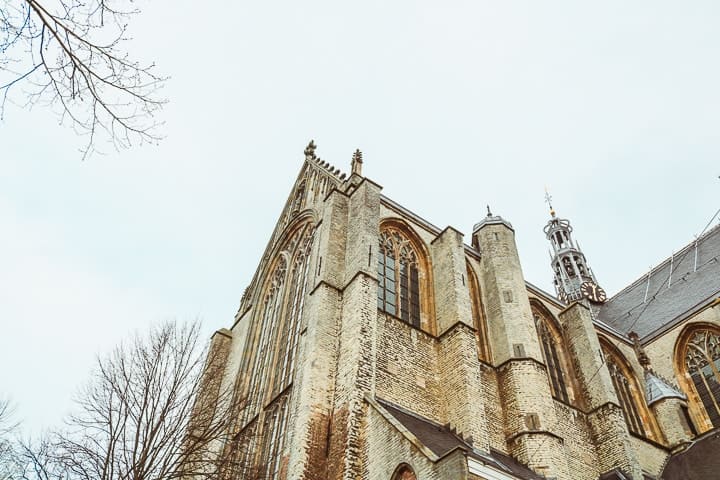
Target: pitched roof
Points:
(650, 303)
(441, 440)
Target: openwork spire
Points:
(573, 278)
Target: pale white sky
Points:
(614, 105)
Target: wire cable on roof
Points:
(632, 325)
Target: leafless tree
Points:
(70, 55)
(154, 410)
(8, 445)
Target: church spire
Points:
(573, 279)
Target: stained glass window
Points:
(270, 357)
(702, 360)
(398, 277)
(625, 389)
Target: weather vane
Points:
(548, 200)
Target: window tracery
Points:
(260, 355)
(632, 400)
(274, 426)
(398, 277)
(554, 354)
(271, 353)
(552, 360)
(701, 365)
(623, 389)
(290, 331)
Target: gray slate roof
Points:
(441, 440)
(657, 389)
(690, 288)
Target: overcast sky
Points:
(615, 106)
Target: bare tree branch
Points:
(69, 55)
(155, 409)
(9, 456)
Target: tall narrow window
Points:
(398, 277)
(273, 435)
(624, 391)
(267, 324)
(552, 361)
(554, 355)
(702, 364)
(270, 356)
(637, 416)
(287, 340)
(478, 314)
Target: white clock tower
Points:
(574, 280)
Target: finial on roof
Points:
(356, 163)
(642, 357)
(310, 151)
(548, 200)
(489, 212)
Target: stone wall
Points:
(407, 368)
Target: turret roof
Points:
(657, 389)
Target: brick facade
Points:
(351, 355)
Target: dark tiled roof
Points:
(699, 462)
(614, 474)
(690, 287)
(441, 440)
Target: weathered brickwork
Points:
(614, 446)
(571, 424)
(651, 458)
(312, 405)
(407, 368)
(474, 366)
(493, 408)
(530, 416)
(461, 391)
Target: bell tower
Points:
(574, 280)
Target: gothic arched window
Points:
(261, 355)
(271, 352)
(287, 338)
(404, 472)
(554, 355)
(631, 397)
(478, 315)
(275, 420)
(624, 391)
(398, 276)
(698, 356)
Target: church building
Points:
(371, 344)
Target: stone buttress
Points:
(529, 413)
